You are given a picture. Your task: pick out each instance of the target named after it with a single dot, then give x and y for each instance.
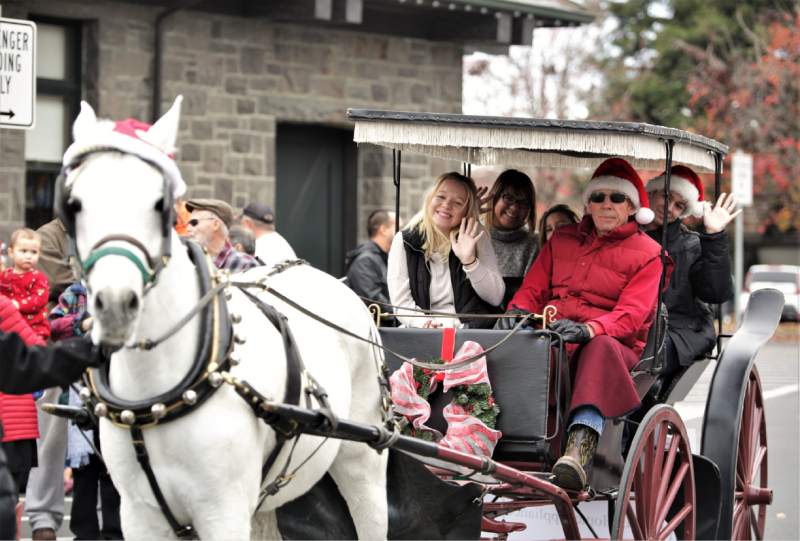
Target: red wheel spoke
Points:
(665, 479)
(673, 491)
(754, 523)
(636, 528)
(639, 499)
(676, 520)
(755, 432)
(760, 456)
(646, 493)
(739, 511)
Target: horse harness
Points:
(216, 356)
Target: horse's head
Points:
(115, 198)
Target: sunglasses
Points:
(600, 197)
(195, 221)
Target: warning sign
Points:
(17, 73)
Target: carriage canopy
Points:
(484, 140)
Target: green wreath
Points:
(477, 399)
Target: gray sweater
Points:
(515, 251)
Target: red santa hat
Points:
(154, 143)
(685, 183)
(618, 175)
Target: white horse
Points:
(208, 463)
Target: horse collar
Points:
(204, 377)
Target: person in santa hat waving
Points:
(702, 272)
(602, 276)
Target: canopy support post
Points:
(717, 188)
(658, 364)
(467, 169)
(396, 157)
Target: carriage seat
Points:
(519, 372)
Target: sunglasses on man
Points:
(600, 197)
(195, 221)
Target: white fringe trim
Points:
(486, 145)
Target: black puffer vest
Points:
(467, 301)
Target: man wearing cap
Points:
(702, 271)
(271, 247)
(208, 225)
(602, 276)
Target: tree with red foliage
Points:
(752, 102)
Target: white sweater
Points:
(484, 276)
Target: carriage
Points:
(655, 484)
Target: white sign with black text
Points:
(17, 73)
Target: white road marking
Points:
(692, 411)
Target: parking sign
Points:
(17, 73)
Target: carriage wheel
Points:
(751, 494)
(656, 495)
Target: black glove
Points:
(83, 349)
(508, 323)
(572, 331)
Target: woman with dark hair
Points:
(511, 222)
(443, 261)
(553, 218)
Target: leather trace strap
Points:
(182, 531)
(295, 373)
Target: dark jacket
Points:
(466, 300)
(25, 369)
(702, 274)
(366, 272)
(53, 258)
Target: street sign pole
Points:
(17, 74)
(742, 189)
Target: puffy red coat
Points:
(17, 412)
(609, 282)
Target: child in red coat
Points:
(24, 284)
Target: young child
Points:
(24, 284)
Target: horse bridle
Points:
(66, 207)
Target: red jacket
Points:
(17, 412)
(609, 282)
(31, 291)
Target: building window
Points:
(58, 94)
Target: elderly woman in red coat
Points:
(602, 276)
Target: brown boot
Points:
(570, 470)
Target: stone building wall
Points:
(239, 78)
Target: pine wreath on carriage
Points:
(472, 413)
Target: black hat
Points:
(257, 211)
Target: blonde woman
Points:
(444, 261)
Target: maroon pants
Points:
(602, 377)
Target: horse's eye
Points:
(74, 206)
(159, 206)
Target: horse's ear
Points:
(85, 122)
(163, 133)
